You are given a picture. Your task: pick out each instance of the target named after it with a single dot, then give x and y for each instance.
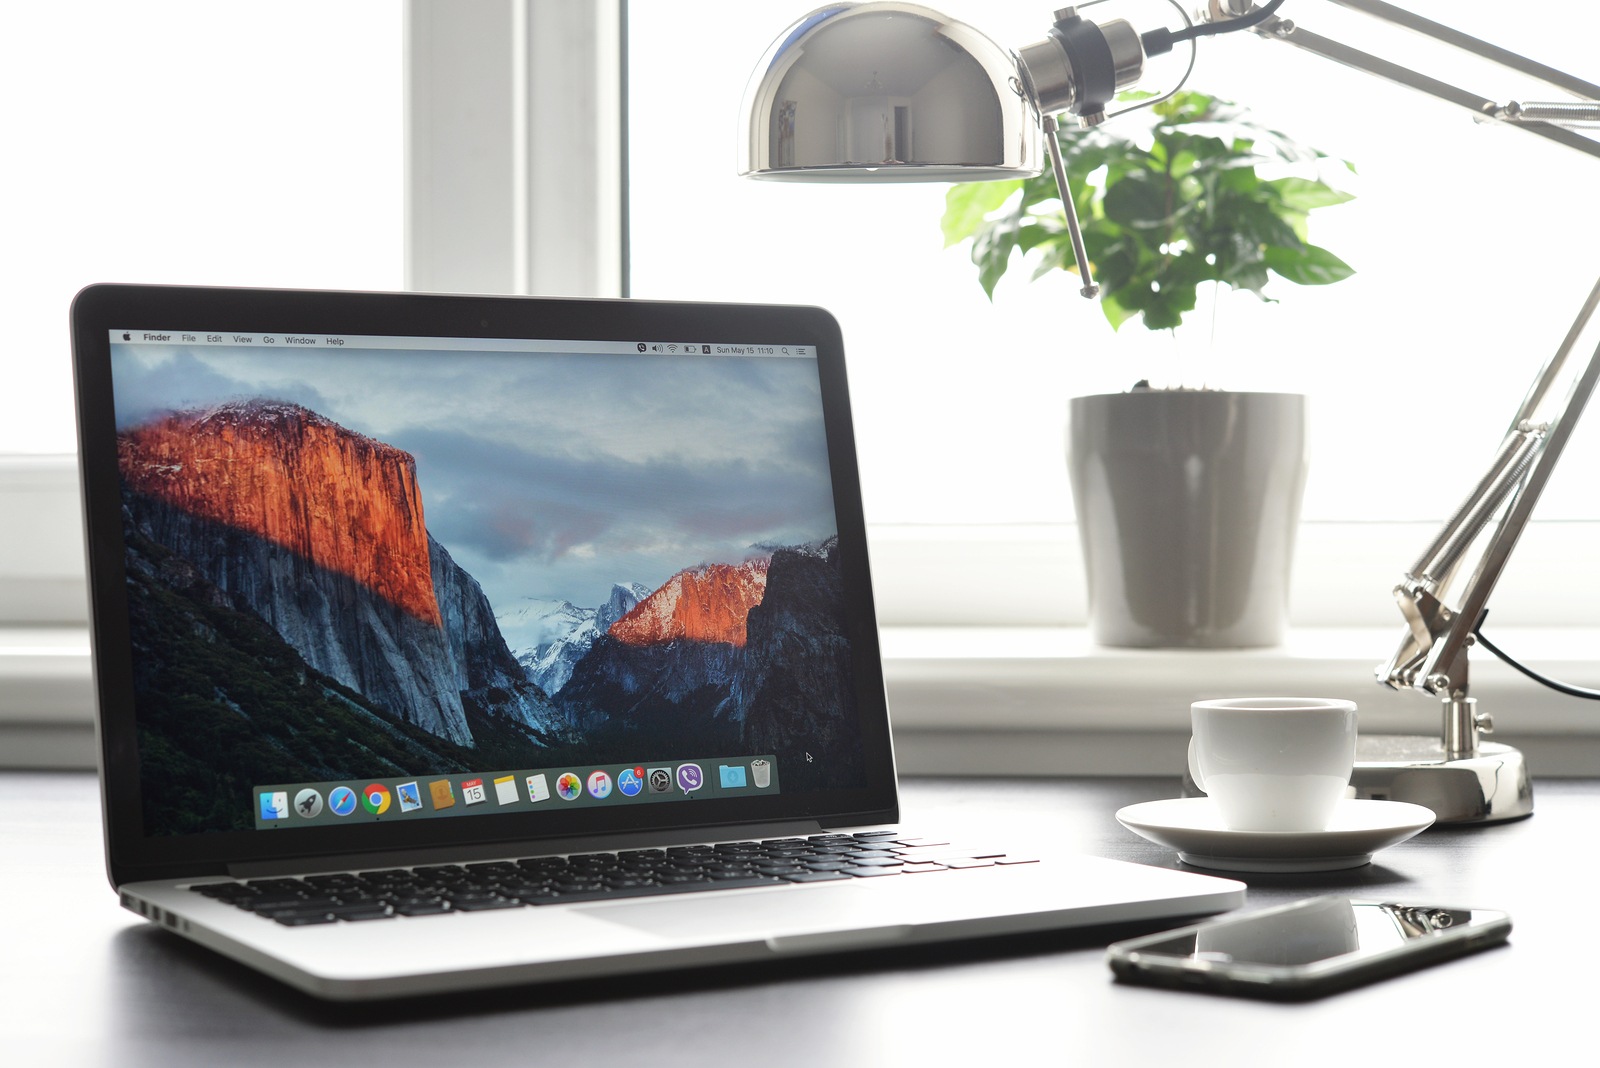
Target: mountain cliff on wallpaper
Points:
(319, 531)
(292, 555)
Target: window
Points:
(263, 145)
(189, 142)
(184, 141)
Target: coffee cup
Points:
(1273, 763)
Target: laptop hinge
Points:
(455, 854)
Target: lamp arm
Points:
(1503, 57)
(1432, 656)
(1536, 118)
(1090, 289)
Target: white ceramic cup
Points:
(1273, 763)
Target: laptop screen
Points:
(395, 578)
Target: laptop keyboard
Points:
(435, 890)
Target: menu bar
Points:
(251, 339)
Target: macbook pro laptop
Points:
(444, 642)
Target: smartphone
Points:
(1307, 949)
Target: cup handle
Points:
(1194, 768)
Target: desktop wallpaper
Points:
(354, 564)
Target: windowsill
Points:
(1011, 700)
(46, 698)
(1048, 701)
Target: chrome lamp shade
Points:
(888, 92)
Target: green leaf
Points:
(1260, 224)
(1307, 265)
(1143, 201)
(1043, 230)
(1114, 312)
(1305, 194)
(967, 204)
(991, 251)
(1251, 276)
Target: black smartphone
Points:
(1306, 949)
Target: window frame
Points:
(511, 87)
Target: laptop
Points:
(447, 642)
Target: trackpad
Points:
(770, 916)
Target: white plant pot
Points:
(1188, 502)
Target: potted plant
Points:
(1187, 498)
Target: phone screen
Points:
(1306, 947)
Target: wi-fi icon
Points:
(672, 348)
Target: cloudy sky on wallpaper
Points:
(551, 475)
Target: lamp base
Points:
(1491, 786)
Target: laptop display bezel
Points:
(134, 855)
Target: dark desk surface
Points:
(84, 982)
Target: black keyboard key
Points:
(293, 913)
(421, 908)
(606, 859)
(330, 882)
(814, 877)
(306, 919)
(484, 904)
(642, 854)
(276, 885)
(492, 868)
(265, 903)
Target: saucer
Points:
(1193, 826)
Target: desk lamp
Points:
(896, 92)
